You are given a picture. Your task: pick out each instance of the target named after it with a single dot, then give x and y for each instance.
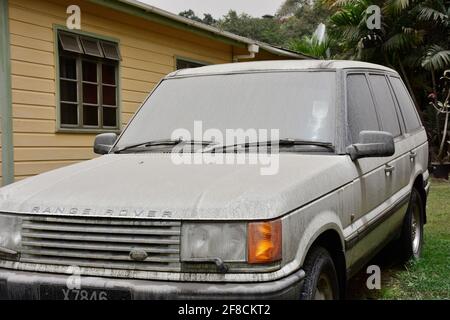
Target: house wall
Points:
(148, 52)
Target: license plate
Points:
(48, 292)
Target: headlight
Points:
(226, 241)
(10, 235)
(254, 243)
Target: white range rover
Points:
(352, 176)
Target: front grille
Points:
(101, 243)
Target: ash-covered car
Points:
(135, 224)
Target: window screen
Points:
(406, 105)
(361, 113)
(70, 42)
(385, 104)
(92, 47)
(110, 50)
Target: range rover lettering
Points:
(135, 224)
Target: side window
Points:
(385, 104)
(360, 108)
(406, 105)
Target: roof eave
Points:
(154, 14)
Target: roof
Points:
(280, 65)
(144, 10)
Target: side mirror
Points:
(104, 142)
(372, 144)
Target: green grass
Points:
(429, 277)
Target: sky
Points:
(218, 8)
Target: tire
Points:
(321, 280)
(411, 238)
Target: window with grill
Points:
(88, 82)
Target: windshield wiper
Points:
(162, 142)
(287, 142)
(296, 142)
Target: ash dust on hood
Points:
(151, 186)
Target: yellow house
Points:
(60, 86)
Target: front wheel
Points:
(321, 281)
(411, 239)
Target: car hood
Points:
(151, 186)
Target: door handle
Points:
(388, 169)
(412, 155)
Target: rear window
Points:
(360, 108)
(385, 104)
(406, 105)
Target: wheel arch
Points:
(331, 239)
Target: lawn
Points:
(427, 278)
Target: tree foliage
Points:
(414, 38)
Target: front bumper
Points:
(23, 285)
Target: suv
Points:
(134, 223)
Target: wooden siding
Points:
(148, 53)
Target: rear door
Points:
(415, 135)
(371, 106)
(390, 121)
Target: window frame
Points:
(349, 72)
(181, 58)
(394, 100)
(407, 132)
(66, 128)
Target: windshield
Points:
(301, 105)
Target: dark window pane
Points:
(109, 117)
(90, 93)
(68, 91)
(108, 74)
(385, 104)
(184, 64)
(406, 105)
(360, 108)
(90, 116)
(69, 114)
(89, 71)
(109, 96)
(67, 68)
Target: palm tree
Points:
(413, 35)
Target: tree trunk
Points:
(444, 136)
(408, 85)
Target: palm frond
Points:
(431, 14)
(406, 39)
(394, 7)
(436, 58)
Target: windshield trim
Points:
(176, 77)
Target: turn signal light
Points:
(264, 241)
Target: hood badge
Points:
(138, 255)
(108, 212)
